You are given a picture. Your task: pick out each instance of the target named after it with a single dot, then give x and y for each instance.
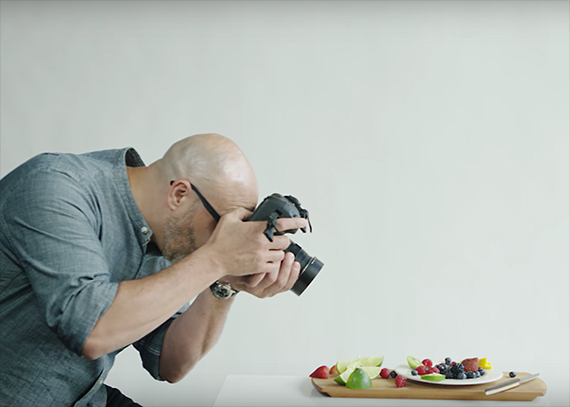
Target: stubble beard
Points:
(179, 238)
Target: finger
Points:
(254, 279)
(268, 280)
(293, 276)
(284, 273)
(279, 243)
(274, 256)
(290, 223)
(281, 279)
(241, 213)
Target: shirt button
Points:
(144, 230)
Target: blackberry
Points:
(457, 368)
(449, 375)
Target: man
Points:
(98, 251)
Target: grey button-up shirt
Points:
(70, 231)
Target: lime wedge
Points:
(433, 377)
(343, 378)
(341, 365)
(374, 361)
(358, 379)
(372, 371)
(339, 380)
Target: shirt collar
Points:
(128, 157)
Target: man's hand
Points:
(242, 249)
(263, 285)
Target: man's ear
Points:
(179, 191)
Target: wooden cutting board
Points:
(386, 388)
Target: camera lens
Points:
(310, 267)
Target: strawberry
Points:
(333, 370)
(385, 373)
(421, 370)
(471, 365)
(400, 381)
(321, 372)
(432, 370)
(427, 362)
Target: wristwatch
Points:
(222, 291)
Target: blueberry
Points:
(393, 374)
(441, 368)
(477, 374)
(448, 361)
(470, 375)
(461, 376)
(414, 372)
(480, 369)
(482, 373)
(512, 374)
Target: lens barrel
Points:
(310, 267)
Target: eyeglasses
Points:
(205, 202)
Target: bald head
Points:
(216, 166)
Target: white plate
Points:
(490, 375)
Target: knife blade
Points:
(509, 384)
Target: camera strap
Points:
(271, 226)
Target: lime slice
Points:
(343, 364)
(339, 380)
(358, 379)
(433, 377)
(374, 361)
(372, 371)
(343, 378)
(413, 362)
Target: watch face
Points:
(223, 291)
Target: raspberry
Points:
(421, 370)
(400, 381)
(432, 370)
(385, 373)
(427, 362)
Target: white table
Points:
(254, 390)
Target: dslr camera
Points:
(276, 206)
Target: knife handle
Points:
(502, 387)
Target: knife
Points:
(509, 384)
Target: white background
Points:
(429, 141)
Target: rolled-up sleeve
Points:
(52, 227)
(150, 346)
